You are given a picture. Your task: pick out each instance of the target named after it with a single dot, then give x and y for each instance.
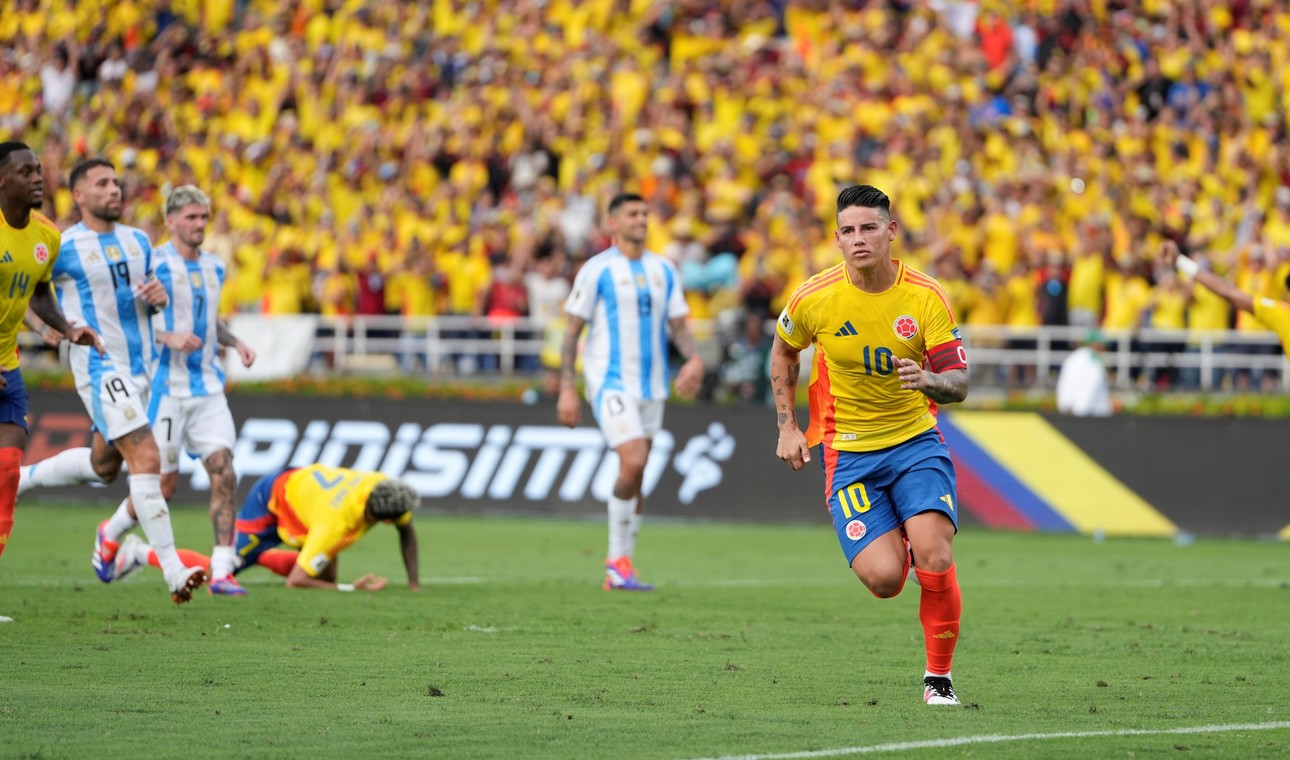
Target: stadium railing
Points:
(453, 345)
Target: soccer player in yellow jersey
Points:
(1271, 312)
(28, 248)
(887, 351)
(317, 510)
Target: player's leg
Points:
(13, 441)
(619, 418)
(118, 408)
(209, 433)
(927, 503)
(256, 529)
(97, 463)
(197, 426)
(864, 519)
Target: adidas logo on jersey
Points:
(846, 331)
(8, 259)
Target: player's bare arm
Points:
(408, 547)
(179, 341)
(1170, 255)
(153, 292)
(567, 407)
(227, 339)
(785, 364)
(948, 387)
(45, 306)
(690, 378)
(298, 578)
(48, 335)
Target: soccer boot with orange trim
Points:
(104, 557)
(183, 583)
(621, 576)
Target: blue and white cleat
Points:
(130, 556)
(104, 557)
(621, 576)
(226, 586)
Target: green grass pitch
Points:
(759, 642)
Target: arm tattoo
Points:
(784, 366)
(683, 339)
(223, 336)
(947, 387)
(569, 354)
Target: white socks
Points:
(223, 562)
(154, 518)
(120, 521)
(623, 524)
(66, 468)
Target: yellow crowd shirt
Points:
(320, 511)
(1276, 315)
(26, 257)
(856, 400)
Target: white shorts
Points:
(117, 403)
(200, 425)
(623, 418)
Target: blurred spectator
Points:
(1083, 386)
(440, 122)
(745, 376)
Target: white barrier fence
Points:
(445, 346)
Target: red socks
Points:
(10, 462)
(278, 561)
(189, 557)
(939, 611)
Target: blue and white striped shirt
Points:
(194, 290)
(96, 277)
(627, 304)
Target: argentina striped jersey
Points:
(194, 290)
(627, 304)
(96, 276)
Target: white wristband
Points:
(344, 587)
(1186, 267)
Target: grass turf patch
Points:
(759, 641)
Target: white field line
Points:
(1001, 738)
(842, 580)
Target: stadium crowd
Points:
(443, 157)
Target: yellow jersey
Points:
(856, 400)
(321, 510)
(28, 255)
(1276, 315)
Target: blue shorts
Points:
(874, 492)
(13, 399)
(257, 527)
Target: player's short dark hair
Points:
(867, 196)
(83, 167)
(622, 198)
(8, 148)
(390, 499)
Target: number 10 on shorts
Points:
(854, 500)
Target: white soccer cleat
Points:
(938, 690)
(131, 555)
(183, 583)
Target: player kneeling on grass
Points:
(319, 511)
